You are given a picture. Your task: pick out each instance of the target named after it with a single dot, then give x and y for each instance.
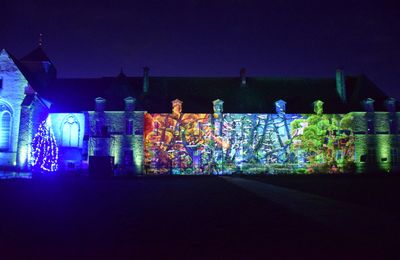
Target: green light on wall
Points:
(383, 144)
(116, 147)
(361, 150)
(138, 155)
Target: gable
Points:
(14, 82)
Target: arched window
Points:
(70, 131)
(129, 127)
(5, 126)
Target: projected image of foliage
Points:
(324, 143)
(247, 143)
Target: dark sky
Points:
(211, 38)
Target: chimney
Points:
(218, 107)
(368, 105)
(341, 85)
(390, 104)
(280, 106)
(130, 103)
(243, 81)
(146, 80)
(100, 104)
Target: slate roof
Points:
(197, 94)
(25, 72)
(29, 75)
(28, 100)
(37, 54)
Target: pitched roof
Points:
(75, 95)
(37, 54)
(197, 93)
(28, 100)
(360, 88)
(19, 66)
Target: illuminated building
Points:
(213, 125)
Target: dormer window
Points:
(391, 105)
(369, 105)
(280, 106)
(318, 107)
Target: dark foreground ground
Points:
(378, 191)
(181, 218)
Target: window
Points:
(129, 127)
(98, 127)
(5, 126)
(393, 156)
(70, 132)
(104, 131)
(392, 126)
(101, 129)
(128, 157)
(370, 127)
(371, 155)
(1, 82)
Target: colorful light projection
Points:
(257, 143)
(44, 149)
(175, 143)
(323, 143)
(248, 143)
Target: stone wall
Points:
(12, 93)
(31, 116)
(381, 121)
(378, 150)
(108, 136)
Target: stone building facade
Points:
(131, 119)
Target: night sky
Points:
(211, 38)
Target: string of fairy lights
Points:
(44, 155)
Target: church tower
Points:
(39, 66)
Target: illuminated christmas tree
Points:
(44, 149)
